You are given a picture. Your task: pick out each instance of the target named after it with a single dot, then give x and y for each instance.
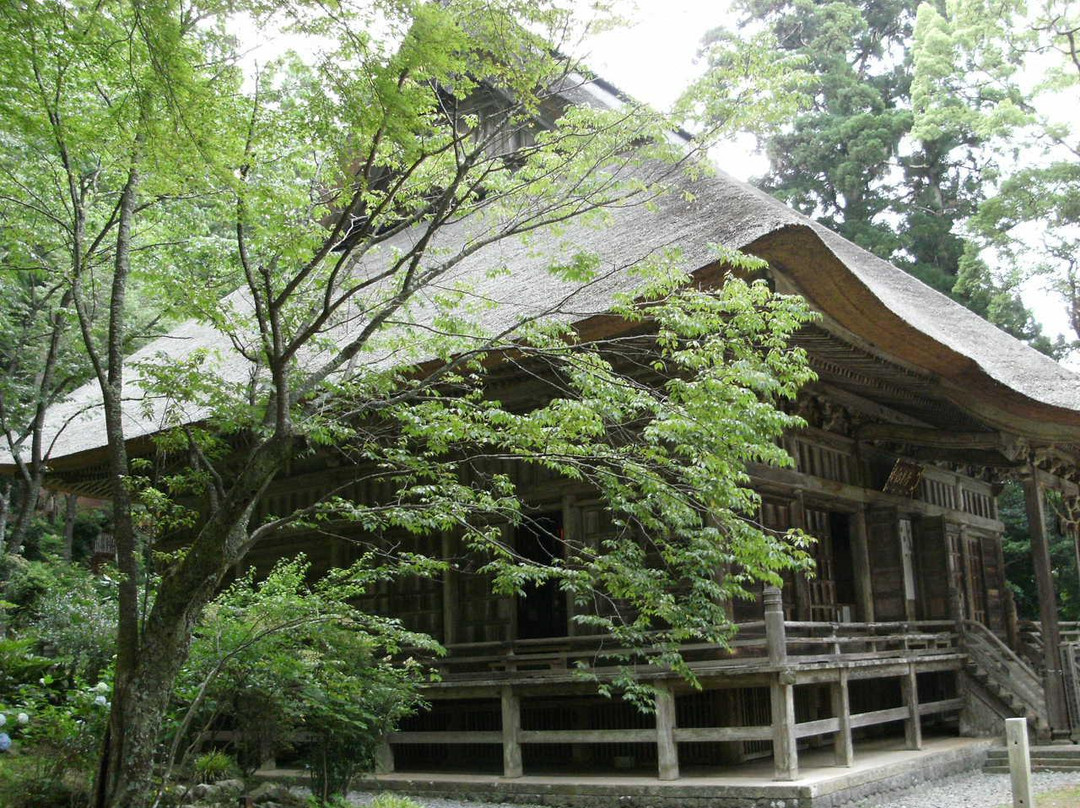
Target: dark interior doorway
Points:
(542, 612)
(843, 564)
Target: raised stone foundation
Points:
(879, 771)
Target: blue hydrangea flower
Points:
(5, 742)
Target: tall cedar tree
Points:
(1009, 77)
(849, 158)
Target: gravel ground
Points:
(363, 798)
(975, 790)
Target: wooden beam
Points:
(667, 752)
(820, 726)
(438, 737)
(511, 730)
(1052, 482)
(575, 736)
(879, 717)
(830, 491)
(723, 734)
(1009, 446)
(843, 748)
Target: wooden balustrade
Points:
(781, 650)
(804, 642)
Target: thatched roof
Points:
(983, 370)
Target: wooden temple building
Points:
(921, 412)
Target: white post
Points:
(1016, 739)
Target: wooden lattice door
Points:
(823, 585)
(955, 560)
(975, 579)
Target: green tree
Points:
(851, 159)
(342, 197)
(1018, 564)
(1008, 77)
(285, 656)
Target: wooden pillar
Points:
(510, 627)
(449, 592)
(909, 686)
(511, 730)
(775, 632)
(906, 537)
(860, 562)
(572, 537)
(785, 752)
(667, 751)
(781, 689)
(965, 562)
(1008, 604)
(802, 585)
(1048, 613)
(957, 599)
(841, 707)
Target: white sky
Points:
(653, 59)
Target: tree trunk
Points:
(71, 511)
(5, 510)
(29, 493)
(145, 679)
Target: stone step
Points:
(1049, 754)
(1036, 767)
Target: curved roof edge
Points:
(999, 379)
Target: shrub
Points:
(214, 766)
(55, 751)
(281, 658)
(388, 800)
(60, 621)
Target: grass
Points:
(1059, 798)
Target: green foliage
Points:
(1016, 546)
(390, 800)
(54, 669)
(19, 665)
(851, 157)
(1008, 77)
(281, 657)
(56, 749)
(214, 765)
(65, 613)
